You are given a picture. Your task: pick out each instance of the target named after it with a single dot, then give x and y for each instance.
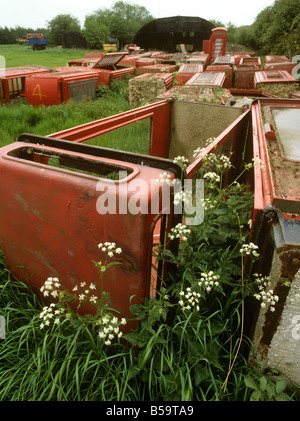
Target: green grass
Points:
(18, 117)
(23, 55)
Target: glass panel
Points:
(132, 138)
(287, 122)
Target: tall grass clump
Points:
(19, 117)
(190, 342)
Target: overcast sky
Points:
(36, 13)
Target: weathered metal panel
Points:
(276, 230)
(52, 221)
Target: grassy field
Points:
(23, 55)
(19, 117)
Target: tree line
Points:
(275, 30)
(122, 21)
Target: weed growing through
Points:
(189, 341)
(104, 319)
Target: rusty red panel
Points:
(217, 43)
(227, 69)
(199, 59)
(205, 46)
(243, 76)
(295, 95)
(239, 56)
(276, 180)
(186, 71)
(207, 79)
(52, 221)
(58, 87)
(251, 61)
(14, 80)
(145, 62)
(129, 61)
(223, 60)
(107, 61)
(276, 59)
(156, 68)
(159, 113)
(272, 76)
(281, 65)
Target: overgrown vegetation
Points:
(189, 344)
(275, 30)
(18, 117)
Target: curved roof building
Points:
(168, 33)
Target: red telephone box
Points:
(217, 43)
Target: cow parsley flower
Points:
(249, 249)
(110, 328)
(50, 287)
(50, 314)
(212, 177)
(181, 160)
(208, 281)
(179, 231)
(189, 299)
(166, 178)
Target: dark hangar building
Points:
(168, 33)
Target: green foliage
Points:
(267, 389)
(60, 24)
(123, 20)
(277, 28)
(10, 35)
(96, 32)
(18, 117)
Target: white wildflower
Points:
(181, 160)
(179, 231)
(212, 177)
(208, 281)
(166, 178)
(257, 161)
(249, 249)
(190, 299)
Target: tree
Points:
(95, 31)
(60, 24)
(276, 28)
(123, 20)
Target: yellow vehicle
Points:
(110, 48)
